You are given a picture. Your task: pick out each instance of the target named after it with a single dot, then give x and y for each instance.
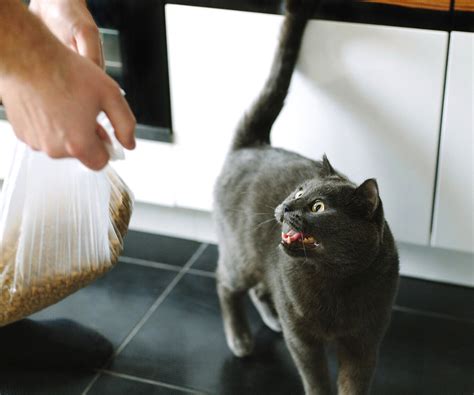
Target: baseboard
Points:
(174, 221)
(437, 264)
(422, 262)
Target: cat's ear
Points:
(327, 169)
(367, 196)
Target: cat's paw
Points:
(264, 306)
(273, 323)
(241, 346)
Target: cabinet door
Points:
(454, 204)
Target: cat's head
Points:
(332, 222)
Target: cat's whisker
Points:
(305, 255)
(246, 212)
(263, 223)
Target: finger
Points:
(28, 138)
(54, 151)
(32, 140)
(103, 135)
(121, 118)
(90, 150)
(29, 141)
(88, 43)
(73, 45)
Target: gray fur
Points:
(340, 289)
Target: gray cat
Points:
(311, 248)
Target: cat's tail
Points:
(254, 128)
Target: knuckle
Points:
(20, 136)
(53, 152)
(100, 162)
(112, 88)
(115, 90)
(93, 165)
(87, 29)
(76, 150)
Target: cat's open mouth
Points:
(293, 239)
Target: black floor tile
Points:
(426, 356)
(114, 304)
(436, 297)
(118, 386)
(159, 248)
(208, 259)
(420, 355)
(183, 343)
(44, 383)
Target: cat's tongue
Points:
(291, 236)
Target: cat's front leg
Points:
(310, 358)
(357, 362)
(236, 326)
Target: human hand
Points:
(52, 95)
(71, 22)
(53, 107)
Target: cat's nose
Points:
(286, 208)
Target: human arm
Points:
(52, 95)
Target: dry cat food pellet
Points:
(23, 295)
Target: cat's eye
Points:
(317, 207)
(298, 194)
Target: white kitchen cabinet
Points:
(368, 96)
(149, 171)
(453, 225)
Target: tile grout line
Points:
(161, 298)
(164, 266)
(148, 381)
(151, 310)
(209, 274)
(147, 263)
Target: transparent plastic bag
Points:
(61, 227)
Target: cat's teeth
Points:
(291, 236)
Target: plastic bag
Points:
(61, 227)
